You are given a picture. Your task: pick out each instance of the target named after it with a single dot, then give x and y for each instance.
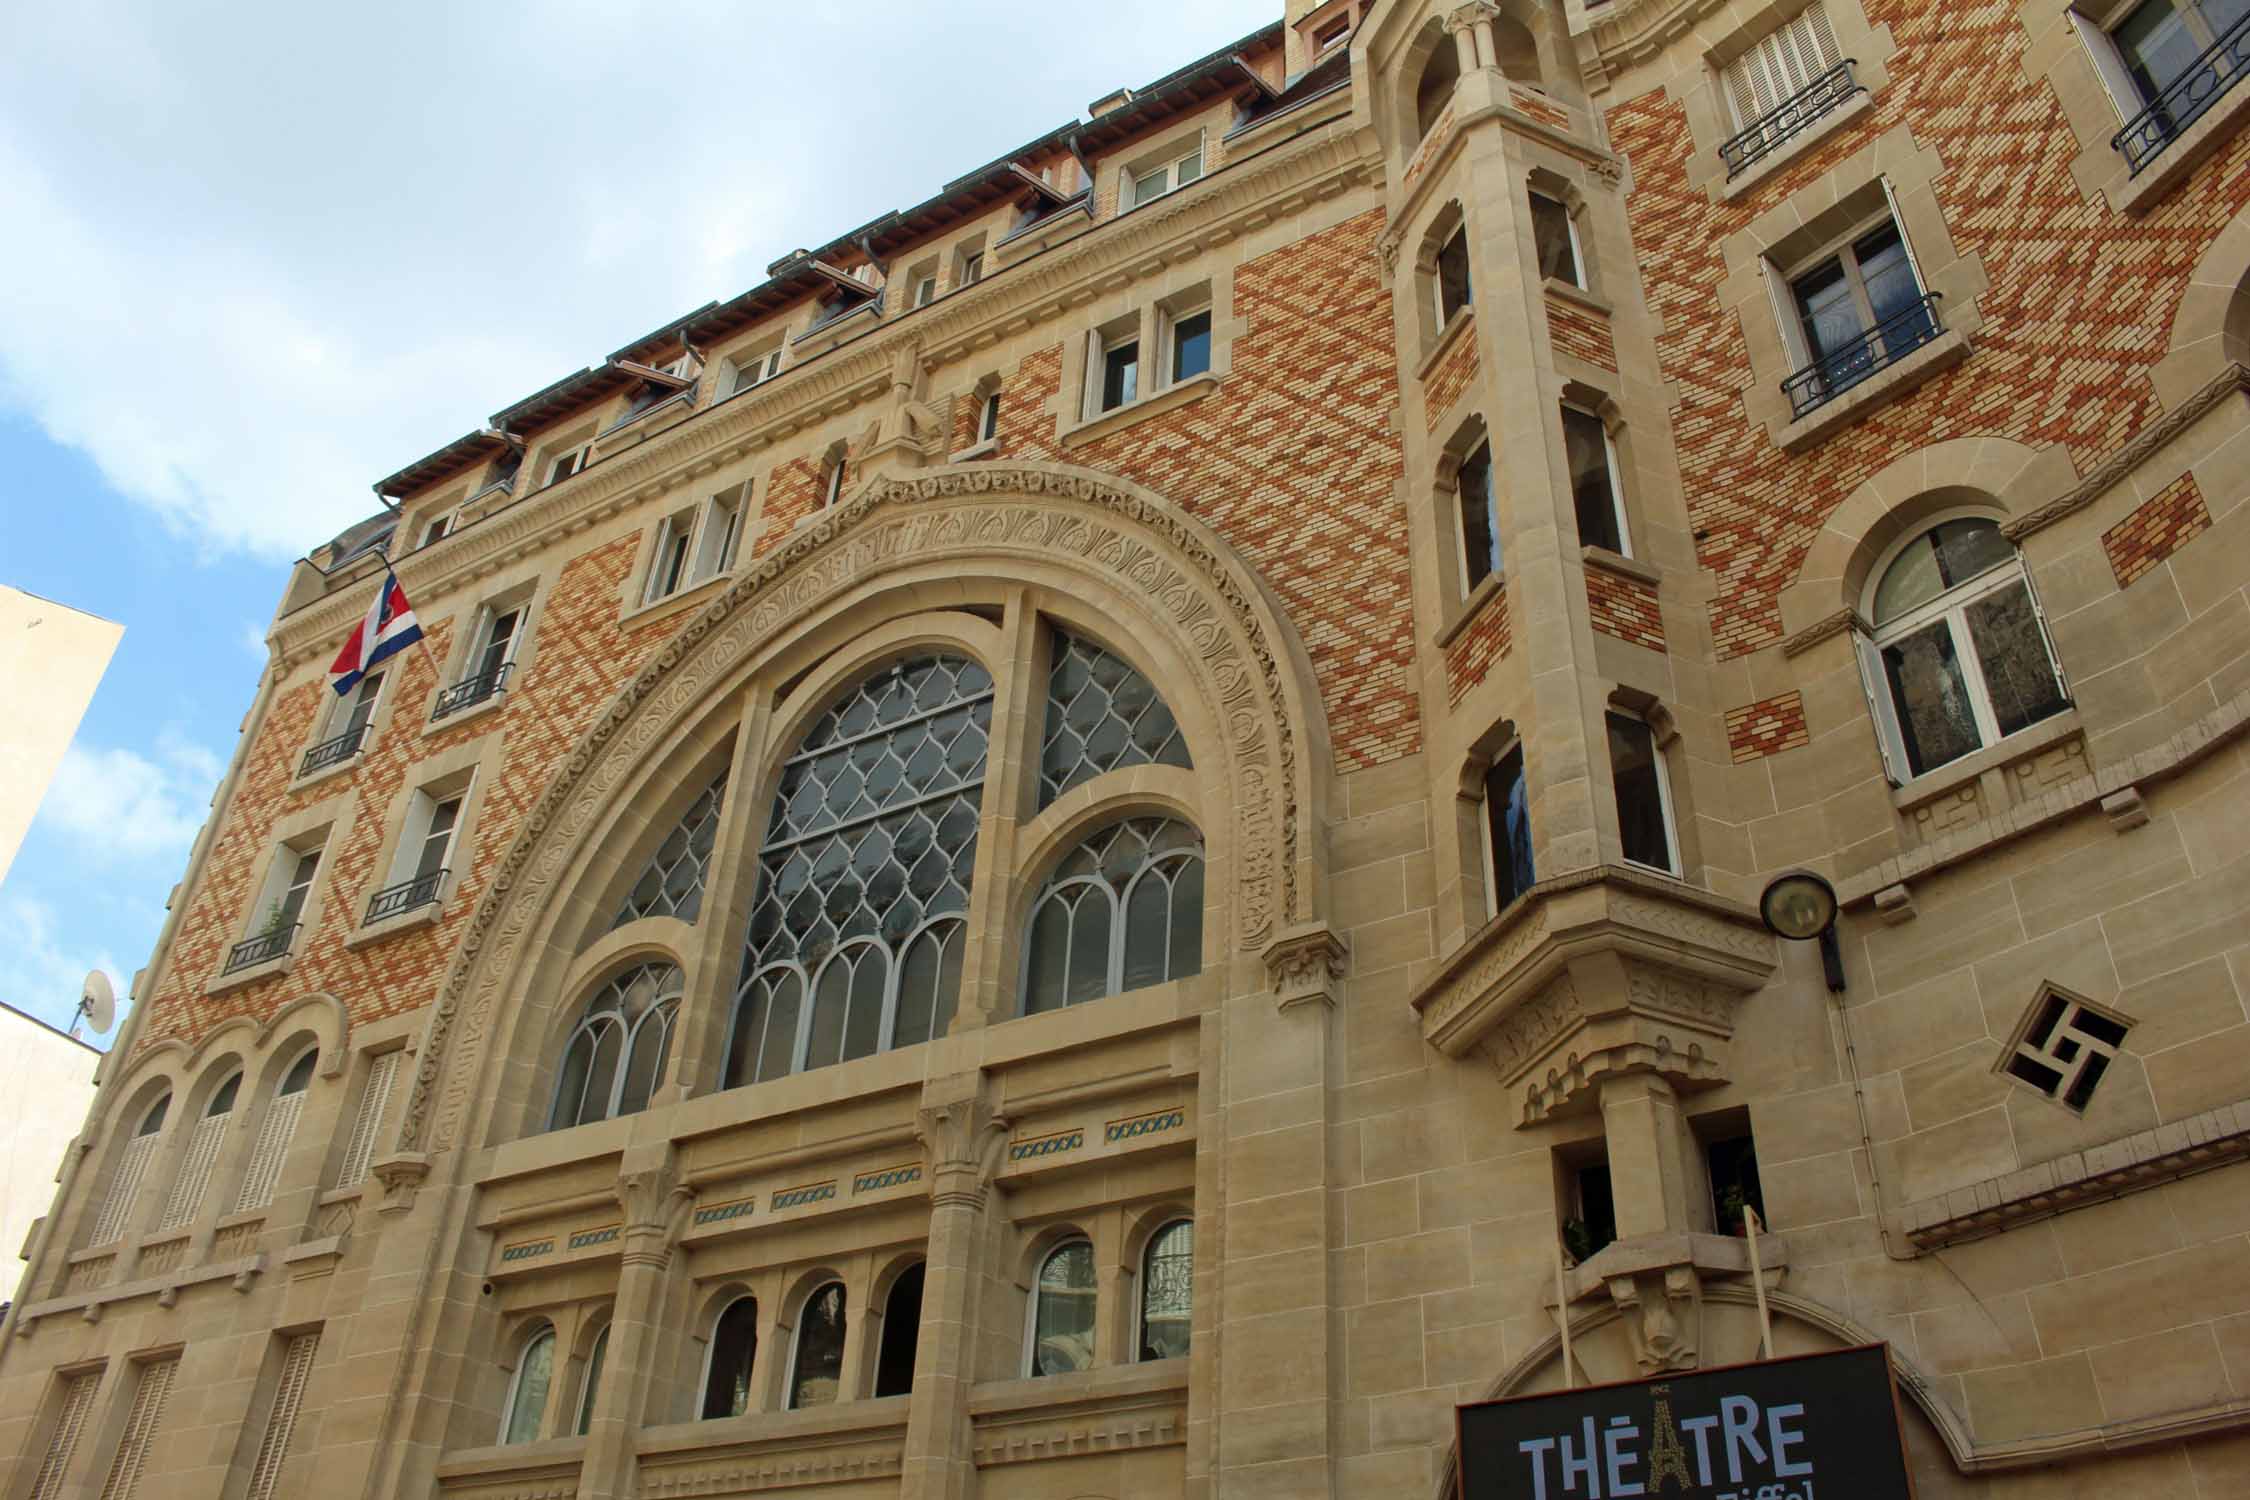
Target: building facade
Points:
(51, 659)
(50, 1088)
(1107, 839)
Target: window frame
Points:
(579, 454)
(1667, 807)
(1046, 1258)
(1103, 343)
(1613, 472)
(1167, 164)
(1498, 569)
(711, 1356)
(1120, 906)
(1457, 235)
(789, 1395)
(832, 483)
(681, 549)
(1578, 277)
(1489, 835)
(1169, 321)
(590, 1380)
(988, 418)
(666, 993)
(1141, 1286)
(525, 1343)
(762, 364)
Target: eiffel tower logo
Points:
(1666, 1458)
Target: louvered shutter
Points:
(374, 1102)
(154, 1385)
(281, 1421)
(274, 1134)
(132, 1166)
(1784, 63)
(77, 1402)
(195, 1172)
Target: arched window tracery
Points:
(1122, 910)
(672, 884)
(1167, 1291)
(615, 1058)
(1102, 715)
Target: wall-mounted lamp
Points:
(1801, 906)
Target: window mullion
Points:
(1972, 674)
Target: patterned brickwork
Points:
(1295, 460)
(2172, 518)
(1579, 331)
(1624, 607)
(584, 656)
(1768, 727)
(793, 492)
(1543, 110)
(1469, 655)
(1451, 377)
(2080, 305)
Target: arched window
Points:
(1507, 830)
(1479, 514)
(616, 1056)
(1101, 715)
(591, 1386)
(202, 1154)
(855, 938)
(734, 1352)
(132, 1166)
(1168, 1291)
(902, 1326)
(1434, 91)
(275, 1132)
(816, 1369)
(672, 885)
(1959, 658)
(522, 1414)
(1062, 1311)
(1124, 909)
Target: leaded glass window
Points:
(1101, 715)
(1123, 910)
(1168, 1291)
(856, 934)
(1062, 1311)
(616, 1057)
(672, 885)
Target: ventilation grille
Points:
(132, 1165)
(374, 1101)
(77, 1401)
(195, 1172)
(274, 1135)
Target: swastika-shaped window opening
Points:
(2064, 1046)
(856, 936)
(672, 885)
(1101, 714)
(1124, 909)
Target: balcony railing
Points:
(1777, 126)
(258, 950)
(1879, 347)
(2200, 85)
(333, 751)
(422, 890)
(471, 690)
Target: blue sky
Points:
(275, 254)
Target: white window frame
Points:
(1570, 224)
(969, 268)
(708, 536)
(437, 528)
(1781, 281)
(925, 289)
(759, 365)
(406, 860)
(578, 456)
(1616, 483)
(2097, 30)
(1168, 165)
(282, 878)
(589, 1380)
(1099, 346)
(1167, 333)
(543, 1330)
(1076, 1236)
(1663, 795)
(1460, 519)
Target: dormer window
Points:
(437, 529)
(755, 368)
(1331, 35)
(1151, 180)
(569, 461)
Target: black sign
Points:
(1810, 1427)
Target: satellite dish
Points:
(98, 1003)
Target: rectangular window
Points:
(1593, 1226)
(210, 1133)
(152, 1384)
(289, 909)
(668, 571)
(1453, 292)
(437, 529)
(1731, 1162)
(1480, 519)
(74, 1405)
(281, 1417)
(1785, 63)
(755, 369)
(1191, 344)
(1554, 236)
(988, 424)
(1593, 482)
(719, 531)
(2169, 61)
(1856, 311)
(1644, 795)
(925, 288)
(1325, 37)
(367, 1124)
(1507, 827)
(1145, 184)
(568, 462)
(972, 268)
(1120, 373)
(499, 647)
(437, 838)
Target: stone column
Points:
(1471, 26)
(961, 1142)
(655, 1205)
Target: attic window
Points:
(2064, 1045)
(1325, 37)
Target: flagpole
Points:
(1562, 1320)
(421, 638)
(1752, 1229)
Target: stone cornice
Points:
(1628, 33)
(1244, 197)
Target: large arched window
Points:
(734, 1353)
(525, 1410)
(1124, 909)
(856, 934)
(1959, 658)
(1062, 1311)
(616, 1057)
(816, 1369)
(275, 1132)
(1102, 715)
(672, 884)
(202, 1154)
(132, 1166)
(1168, 1291)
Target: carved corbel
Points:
(1663, 1317)
(401, 1174)
(1305, 964)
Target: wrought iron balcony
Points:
(333, 751)
(1879, 347)
(422, 890)
(472, 690)
(2184, 100)
(258, 950)
(1777, 126)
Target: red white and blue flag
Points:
(388, 629)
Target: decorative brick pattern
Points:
(1451, 377)
(793, 492)
(2173, 517)
(1542, 110)
(2080, 306)
(1768, 727)
(1471, 653)
(1579, 331)
(1624, 607)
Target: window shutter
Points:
(281, 1422)
(2054, 657)
(195, 1172)
(2117, 82)
(1887, 737)
(1816, 41)
(374, 1100)
(1905, 240)
(77, 1402)
(132, 1165)
(274, 1135)
(149, 1391)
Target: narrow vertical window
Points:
(1554, 236)
(202, 1153)
(75, 1404)
(925, 288)
(1480, 518)
(367, 1124)
(1593, 481)
(1168, 1291)
(668, 569)
(281, 1419)
(1062, 1311)
(1644, 795)
(1453, 292)
(734, 1355)
(1120, 373)
(275, 1132)
(525, 1410)
(152, 1383)
(902, 1327)
(132, 1166)
(1191, 344)
(1507, 825)
(590, 1387)
(816, 1370)
(988, 422)
(835, 489)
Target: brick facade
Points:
(1624, 606)
(1767, 727)
(2173, 517)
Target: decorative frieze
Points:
(889, 1177)
(798, 1197)
(1035, 1147)
(1141, 1125)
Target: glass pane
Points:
(1089, 948)
(1892, 290)
(820, 1349)
(1149, 185)
(1454, 292)
(1550, 231)
(1934, 714)
(1187, 921)
(1121, 375)
(863, 1025)
(1062, 1331)
(1168, 1292)
(1102, 714)
(601, 1074)
(2018, 674)
(777, 1051)
(1825, 309)
(591, 1389)
(1591, 483)
(1148, 920)
(2157, 47)
(1480, 525)
(734, 1350)
(1967, 548)
(527, 1404)
(644, 1069)
(1642, 824)
(1507, 813)
(831, 999)
(1050, 956)
(1914, 577)
(1191, 166)
(1191, 345)
(902, 1322)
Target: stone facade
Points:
(1238, 1188)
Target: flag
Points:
(388, 629)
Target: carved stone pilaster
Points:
(401, 1175)
(1305, 963)
(656, 1206)
(961, 1145)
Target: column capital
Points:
(1461, 17)
(655, 1204)
(1305, 963)
(961, 1142)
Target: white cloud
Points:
(116, 806)
(254, 640)
(44, 973)
(281, 253)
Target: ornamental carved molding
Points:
(1307, 964)
(961, 1146)
(1255, 682)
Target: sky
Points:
(257, 257)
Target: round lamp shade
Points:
(1799, 905)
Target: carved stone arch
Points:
(323, 1015)
(2211, 326)
(1086, 531)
